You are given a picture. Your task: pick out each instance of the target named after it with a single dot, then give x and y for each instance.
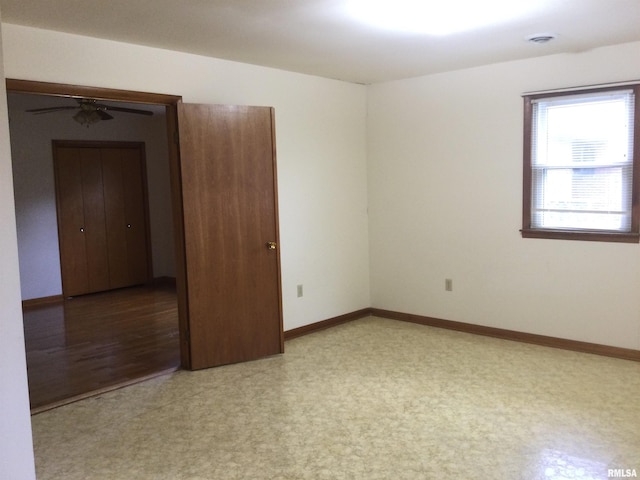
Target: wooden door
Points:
(102, 221)
(229, 203)
(123, 170)
(84, 260)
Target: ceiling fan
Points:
(90, 111)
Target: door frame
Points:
(170, 102)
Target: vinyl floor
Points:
(369, 399)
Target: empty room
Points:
(402, 236)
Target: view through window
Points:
(579, 165)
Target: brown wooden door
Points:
(229, 200)
(125, 215)
(84, 259)
(102, 222)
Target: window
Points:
(581, 173)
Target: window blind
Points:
(582, 161)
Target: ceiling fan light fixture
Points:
(87, 117)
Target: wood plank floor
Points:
(96, 342)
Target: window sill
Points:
(591, 236)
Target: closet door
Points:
(102, 220)
(115, 218)
(94, 221)
(135, 201)
(125, 215)
(81, 226)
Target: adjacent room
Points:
(442, 317)
(100, 348)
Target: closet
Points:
(102, 207)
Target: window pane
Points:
(586, 198)
(582, 163)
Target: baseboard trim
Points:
(324, 324)
(42, 301)
(164, 281)
(574, 345)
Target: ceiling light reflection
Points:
(439, 17)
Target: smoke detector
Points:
(541, 37)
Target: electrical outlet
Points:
(299, 291)
(448, 284)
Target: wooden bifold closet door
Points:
(102, 215)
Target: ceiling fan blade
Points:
(49, 109)
(124, 110)
(104, 115)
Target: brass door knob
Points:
(272, 245)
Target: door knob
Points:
(81, 229)
(272, 245)
(128, 225)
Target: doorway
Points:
(224, 189)
(112, 352)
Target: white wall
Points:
(32, 160)
(16, 450)
(320, 135)
(320, 128)
(445, 177)
(445, 193)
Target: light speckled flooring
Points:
(371, 399)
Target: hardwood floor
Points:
(97, 342)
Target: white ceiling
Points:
(318, 36)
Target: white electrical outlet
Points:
(300, 291)
(448, 284)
